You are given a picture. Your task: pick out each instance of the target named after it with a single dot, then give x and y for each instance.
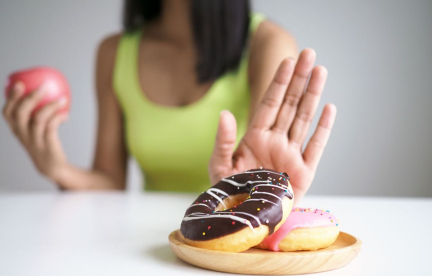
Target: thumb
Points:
(225, 140)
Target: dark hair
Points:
(220, 29)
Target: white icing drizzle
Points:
(210, 192)
(199, 204)
(262, 199)
(242, 220)
(267, 194)
(243, 213)
(271, 185)
(257, 171)
(232, 182)
(197, 213)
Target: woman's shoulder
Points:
(269, 45)
(108, 45)
(105, 61)
(269, 36)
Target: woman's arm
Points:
(110, 162)
(269, 46)
(38, 133)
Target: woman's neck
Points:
(175, 22)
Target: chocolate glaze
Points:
(266, 189)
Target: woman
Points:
(161, 86)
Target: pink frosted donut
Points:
(305, 229)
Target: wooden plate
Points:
(257, 261)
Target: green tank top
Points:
(173, 145)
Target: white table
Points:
(127, 234)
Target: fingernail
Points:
(62, 101)
(40, 91)
(18, 88)
(223, 111)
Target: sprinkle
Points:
(213, 212)
(258, 209)
(337, 224)
(321, 214)
(331, 221)
(328, 211)
(202, 221)
(280, 178)
(238, 188)
(203, 233)
(208, 228)
(233, 222)
(272, 188)
(267, 221)
(230, 210)
(196, 202)
(263, 201)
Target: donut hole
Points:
(231, 201)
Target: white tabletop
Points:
(127, 234)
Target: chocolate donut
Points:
(239, 211)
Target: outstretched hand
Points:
(279, 127)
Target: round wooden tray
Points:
(257, 261)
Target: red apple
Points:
(49, 79)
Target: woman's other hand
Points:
(37, 131)
(279, 127)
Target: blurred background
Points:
(379, 57)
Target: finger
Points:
(295, 90)
(225, 140)
(41, 119)
(318, 141)
(51, 135)
(268, 109)
(308, 106)
(24, 109)
(12, 100)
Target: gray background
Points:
(378, 53)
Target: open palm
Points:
(277, 132)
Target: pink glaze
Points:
(300, 218)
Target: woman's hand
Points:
(278, 129)
(37, 132)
